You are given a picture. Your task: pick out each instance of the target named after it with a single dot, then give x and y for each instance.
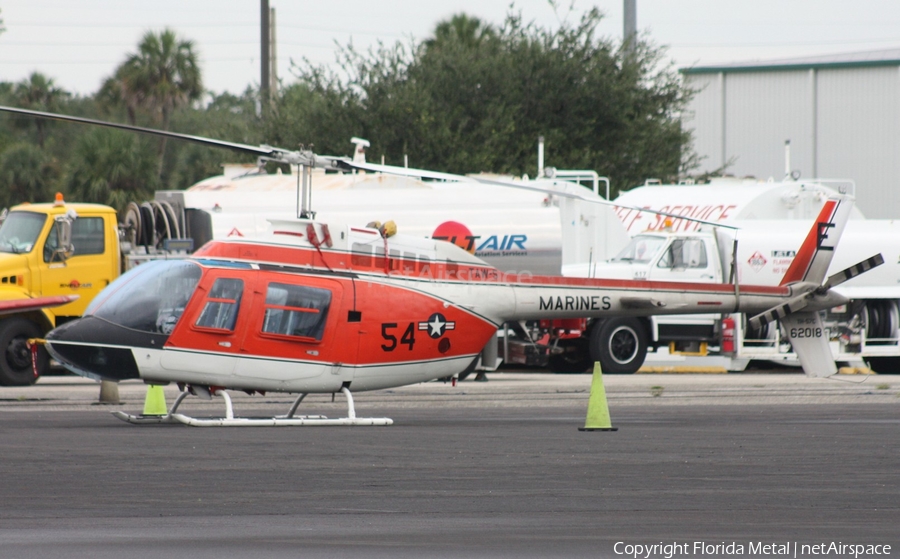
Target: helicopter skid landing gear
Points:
(151, 419)
(231, 421)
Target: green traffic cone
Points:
(155, 403)
(598, 410)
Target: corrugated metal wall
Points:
(842, 123)
(859, 134)
(704, 116)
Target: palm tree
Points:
(462, 29)
(111, 167)
(162, 76)
(39, 93)
(116, 91)
(27, 174)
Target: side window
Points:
(695, 254)
(87, 237)
(425, 266)
(668, 256)
(394, 259)
(222, 305)
(409, 263)
(684, 253)
(296, 310)
(361, 255)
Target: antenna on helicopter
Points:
(304, 186)
(306, 193)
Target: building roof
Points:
(866, 59)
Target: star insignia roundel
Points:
(436, 325)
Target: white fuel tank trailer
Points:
(514, 230)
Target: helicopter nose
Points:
(96, 348)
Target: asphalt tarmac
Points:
(495, 469)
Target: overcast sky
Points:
(79, 42)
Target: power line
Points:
(141, 25)
(118, 44)
(144, 25)
(20, 62)
(131, 45)
(785, 44)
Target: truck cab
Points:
(51, 249)
(620, 343)
(685, 257)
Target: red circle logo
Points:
(456, 233)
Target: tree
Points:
(474, 98)
(161, 77)
(111, 167)
(38, 93)
(27, 175)
(460, 29)
(117, 90)
(226, 117)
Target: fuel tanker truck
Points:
(772, 219)
(514, 230)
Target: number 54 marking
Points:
(408, 338)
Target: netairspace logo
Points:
(721, 549)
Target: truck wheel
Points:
(574, 359)
(619, 344)
(15, 363)
(885, 365)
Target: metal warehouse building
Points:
(841, 114)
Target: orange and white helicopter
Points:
(318, 307)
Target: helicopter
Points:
(323, 307)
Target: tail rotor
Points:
(799, 315)
(805, 329)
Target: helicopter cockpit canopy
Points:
(149, 298)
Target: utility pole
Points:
(629, 21)
(264, 40)
(273, 57)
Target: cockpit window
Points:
(641, 249)
(20, 231)
(296, 310)
(149, 298)
(222, 305)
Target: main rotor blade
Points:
(260, 150)
(853, 271)
(421, 173)
(777, 313)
